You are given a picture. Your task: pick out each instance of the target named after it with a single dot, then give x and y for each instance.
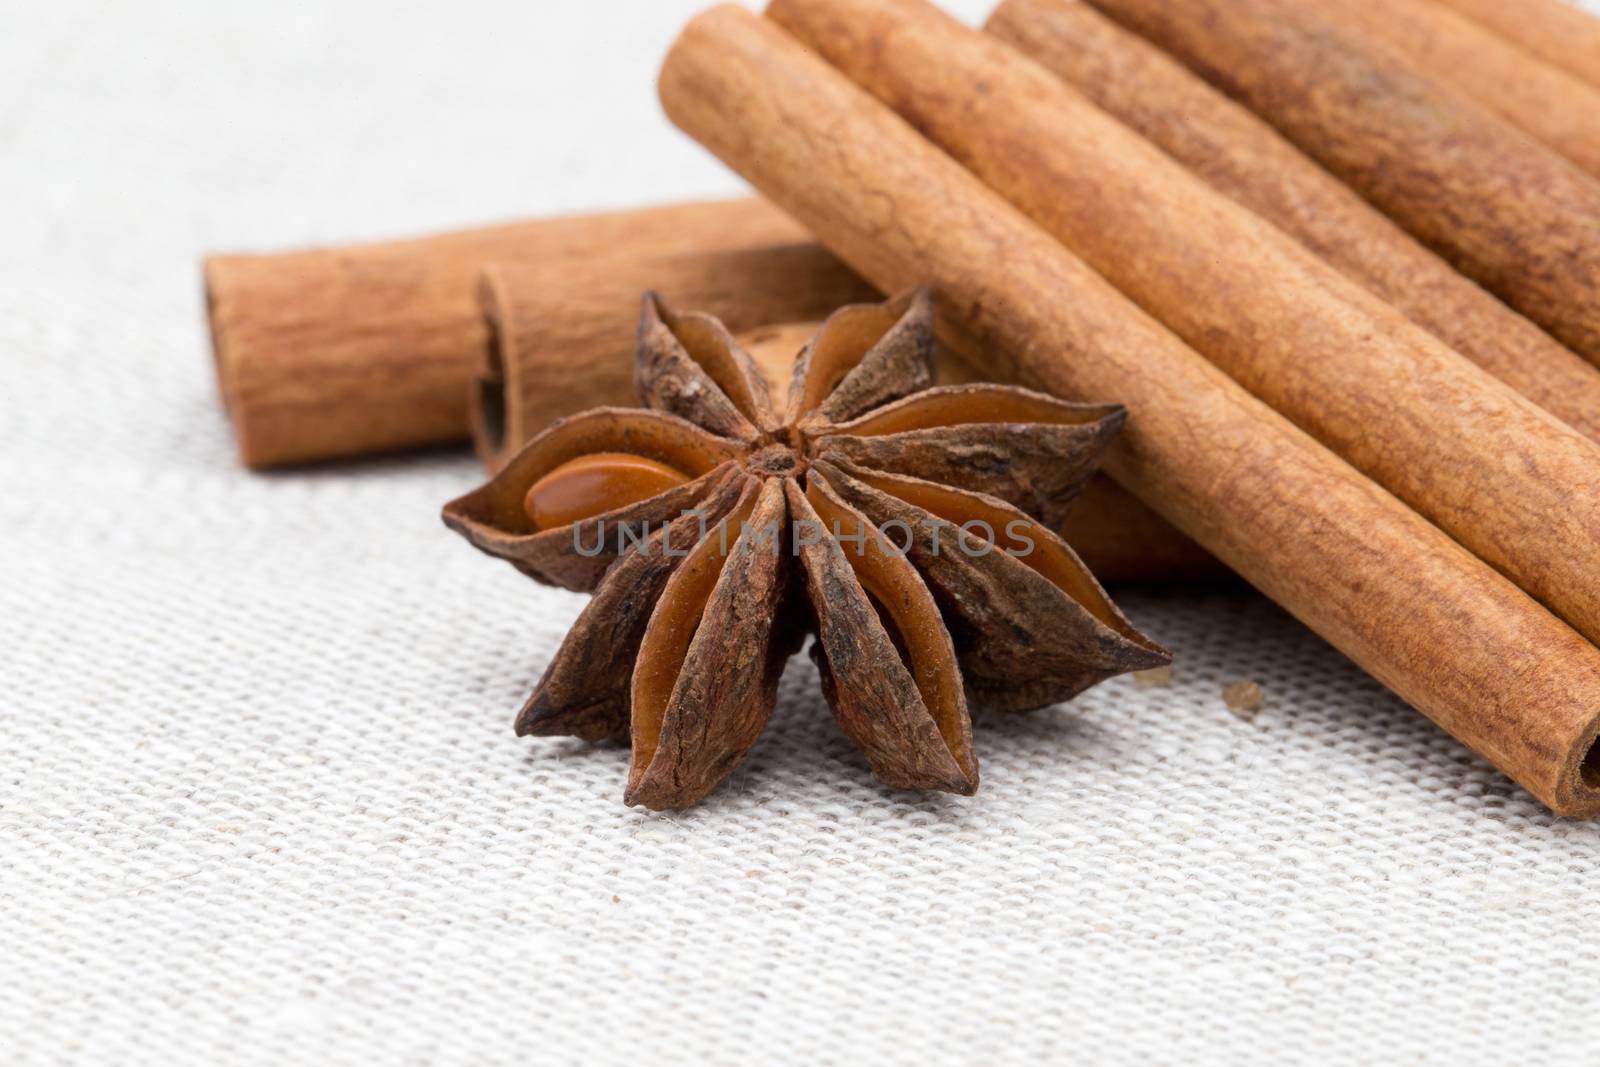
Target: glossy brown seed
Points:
(593, 485)
(495, 519)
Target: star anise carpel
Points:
(906, 525)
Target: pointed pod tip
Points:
(958, 780)
(1149, 656)
(527, 721)
(914, 304)
(648, 787)
(947, 779)
(652, 312)
(543, 717)
(642, 795)
(455, 515)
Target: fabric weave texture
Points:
(260, 802)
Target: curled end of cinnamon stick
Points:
(488, 401)
(544, 354)
(1577, 794)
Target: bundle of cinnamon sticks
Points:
(1341, 260)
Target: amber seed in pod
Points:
(593, 485)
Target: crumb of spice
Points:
(1154, 677)
(1244, 699)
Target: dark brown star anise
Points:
(892, 518)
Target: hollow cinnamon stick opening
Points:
(1438, 626)
(1245, 159)
(346, 351)
(1495, 202)
(561, 334)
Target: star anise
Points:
(892, 518)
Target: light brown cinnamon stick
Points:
(564, 330)
(1397, 595)
(541, 319)
(1121, 539)
(1560, 110)
(345, 351)
(1556, 31)
(1495, 202)
(1242, 157)
(1507, 480)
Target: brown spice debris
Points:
(1154, 678)
(1244, 699)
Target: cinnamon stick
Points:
(1510, 482)
(1247, 160)
(1558, 109)
(338, 352)
(1492, 200)
(563, 331)
(1121, 539)
(1397, 595)
(1554, 30)
(541, 319)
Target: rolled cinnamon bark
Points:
(1554, 30)
(1495, 202)
(345, 351)
(563, 331)
(1397, 595)
(1120, 539)
(1507, 480)
(1244, 158)
(1558, 109)
(541, 319)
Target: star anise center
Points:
(778, 460)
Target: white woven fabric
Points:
(259, 797)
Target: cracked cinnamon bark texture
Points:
(1561, 111)
(1554, 30)
(1401, 598)
(1244, 158)
(337, 352)
(1492, 200)
(1506, 479)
